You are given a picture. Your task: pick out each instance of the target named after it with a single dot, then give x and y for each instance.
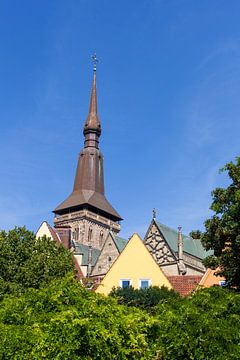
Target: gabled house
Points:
(210, 279)
(174, 252)
(111, 249)
(134, 267)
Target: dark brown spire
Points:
(88, 189)
(92, 127)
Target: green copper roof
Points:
(84, 249)
(190, 246)
(120, 242)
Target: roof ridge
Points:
(172, 229)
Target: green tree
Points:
(223, 229)
(146, 299)
(30, 262)
(66, 321)
(204, 326)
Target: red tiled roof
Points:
(184, 284)
(58, 240)
(78, 268)
(53, 233)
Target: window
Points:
(89, 234)
(101, 238)
(144, 283)
(125, 283)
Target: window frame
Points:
(120, 283)
(144, 279)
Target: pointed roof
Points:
(92, 122)
(112, 247)
(190, 246)
(88, 189)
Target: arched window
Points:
(76, 234)
(101, 238)
(89, 234)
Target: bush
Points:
(146, 299)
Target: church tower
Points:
(86, 211)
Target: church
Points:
(89, 225)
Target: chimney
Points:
(180, 244)
(181, 266)
(89, 267)
(65, 235)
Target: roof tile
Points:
(184, 284)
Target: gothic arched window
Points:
(90, 234)
(101, 238)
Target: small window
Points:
(101, 238)
(125, 283)
(89, 234)
(144, 283)
(109, 258)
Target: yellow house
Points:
(134, 267)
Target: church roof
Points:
(79, 198)
(120, 242)
(88, 188)
(190, 246)
(84, 250)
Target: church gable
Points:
(158, 246)
(110, 251)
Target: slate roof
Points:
(120, 242)
(190, 246)
(184, 284)
(84, 249)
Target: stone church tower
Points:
(86, 211)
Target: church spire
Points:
(92, 128)
(88, 189)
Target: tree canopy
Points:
(46, 313)
(30, 262)
(223, 229)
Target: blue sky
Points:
(168, 89)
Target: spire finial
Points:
(95, 61)
(154, 213)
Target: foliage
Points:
(195, 234)
(47, 314)
(223, 229)
(28, 262)
(203, 326)
(66, 321)
(146, 299)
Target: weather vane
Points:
(95, 61)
